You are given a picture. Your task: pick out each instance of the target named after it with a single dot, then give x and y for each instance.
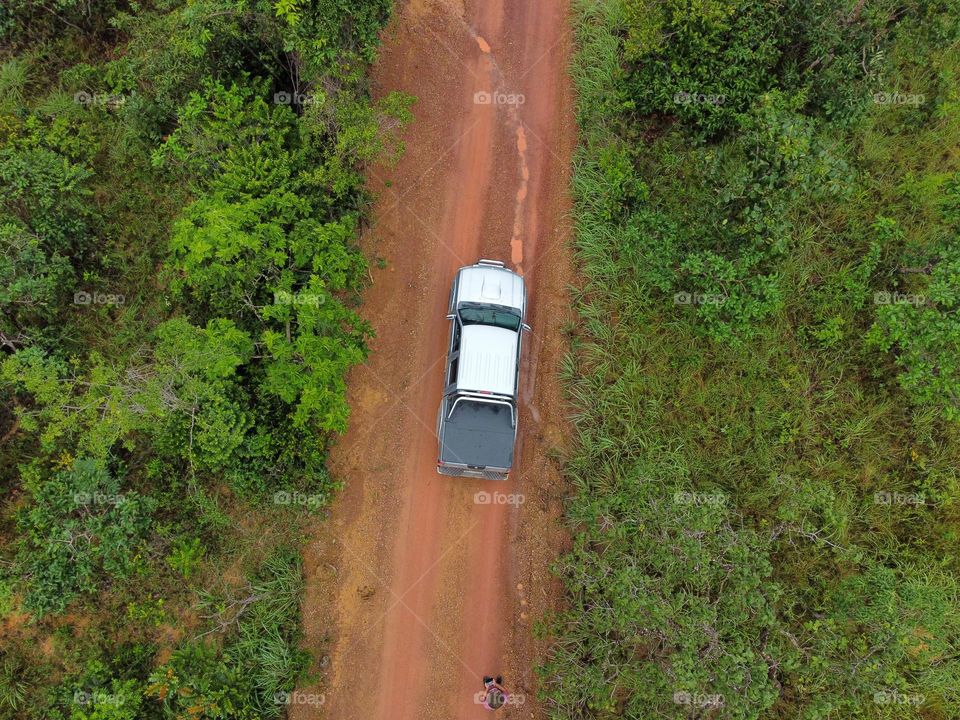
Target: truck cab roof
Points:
(488, 360)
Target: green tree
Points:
(44, 224)
(190, 376)
(705, 61)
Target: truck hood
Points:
(488, 360)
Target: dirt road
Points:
(420, 584)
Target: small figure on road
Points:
(495, 697)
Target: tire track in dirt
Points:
(414, 589)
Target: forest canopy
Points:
(181, 194)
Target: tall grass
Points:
(763, 528)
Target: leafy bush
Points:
(80, 530)
(925, 330)
(257, 249)
(704, 62)
(197, 680)
(104, 690)
(708, 63)
(922, 323)
(186, 557)
(43, 225)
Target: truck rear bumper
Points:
(479, 473)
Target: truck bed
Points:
(478, 434)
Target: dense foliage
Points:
(181, 191)
(78, 526)
(766, 373)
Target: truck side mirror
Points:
(526, 328)
(451, 316)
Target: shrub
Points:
(80, 530)
(257, 664)
(186, 557)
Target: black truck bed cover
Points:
(477, 434)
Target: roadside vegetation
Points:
(181, 191)
(766, 374)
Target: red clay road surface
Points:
(420, 584)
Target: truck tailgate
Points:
(478, 434)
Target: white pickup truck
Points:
(477, 422)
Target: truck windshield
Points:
(489, 315)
